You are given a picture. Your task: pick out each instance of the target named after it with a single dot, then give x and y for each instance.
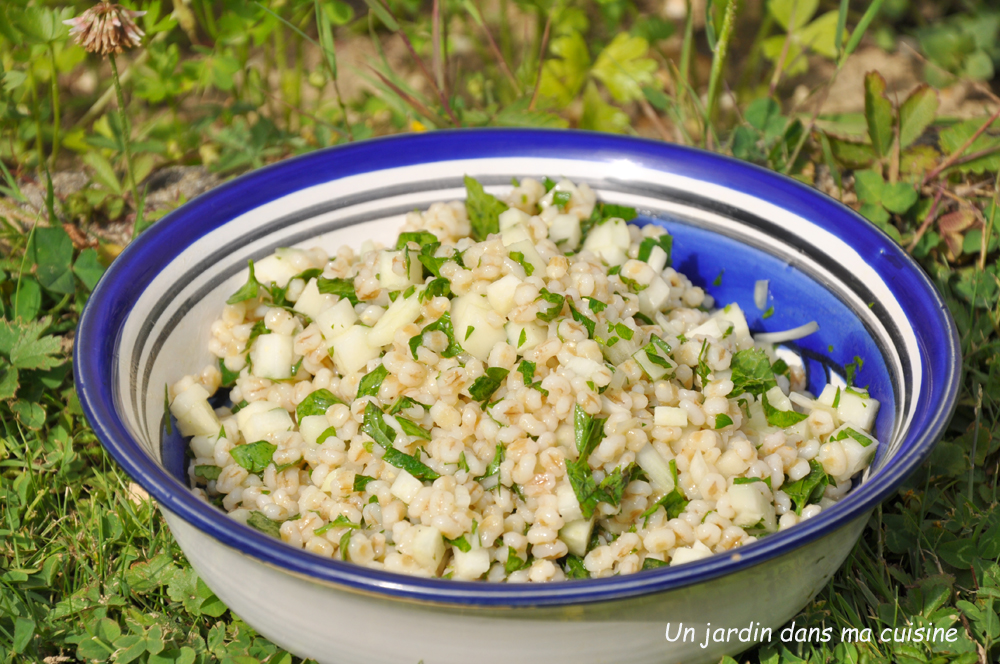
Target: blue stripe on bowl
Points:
(98, 351)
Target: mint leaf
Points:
(228, 377)
(255, 457)
(665, 242)
(494, 467)
(849, 432)
(588, 431)
(751, 372)
(260, 522)
(809, 489)
(555, 300)
(372, 381)
(375, 426)
(247, 291)
(573, 566)
(483, 210)
(513, 562)
(518, 257)
(780, 418)
(722, 421)
(483, 387)
(460, 543)
(361, 481)
(442, 324)
(411, 428)
(653, 563)
(420, 237)
(343, 288)
(588, 323)
(316, 403)
(207, 471)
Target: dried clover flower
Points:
(106, 28)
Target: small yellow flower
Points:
(106, 28)
(417, 125)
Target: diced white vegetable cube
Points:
(859, 453)
(280, 267)
(568, 505)
(709, 328)
(752, 504)
(576, 536)
(687, 554)
(657, 468)
(334, 321)
(778, 400)
(512, 217)
(565, 232)
(401, 312)
(670, 416)
(311, 302)
(524, 337)
(654, 367)
(351, 350)
(515, 233)
(732, 314)
(193, 412)
(610, 241)
(272, 356)
(470, 317)
(657, 258)
(500, 293)
(405, 487)
(392, 270)
(470, 565)
(531, 255)
(266, 425)
(854, 409)
(654, 297)
(427, 547)
(203, 445)
(251, 409)
(312, 427)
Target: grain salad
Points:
(522, 388)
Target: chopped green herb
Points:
(247, 291)
(255, 457)
(513, 562)
(718, 280)
(372, 381)
(703, 370)
(809, 489)
(574, 568)
(442, 324)
(483, 210)
(643, 318)
(439, 287)
(518, 257)
(483, 387)
(235, 409)
(523, 337)
(624, 331)
(653, 563)
(588, 323)
(722, 421)
(780, 368)
(561, 199)
(836, 398)
(327, 433)
(770, 312)
(411, 428)
(316, 403)
(345, 542)
(207, 471)
(421, 238)
(614, 269)
(402, 403)
(603, 212)
(343, 288)
(362, 481)
(851, 370)
(228, 377)
(468, 332)
(375, 426)
(258, 329)
(494, 467)
(664, 242)
(588, 431)
(462, 463)
(751, 480)
(258, 521)
(851, 433)
(780, 418)
(751, 372)
(549, 184)
(596, 306)
(460, 543)
(166, 409)
(555, 300)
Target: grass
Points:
(88, 572)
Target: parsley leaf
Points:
(255, 457)
(518, 257)
(555, 300)
(588, 323)
(442, 324)
(420, 237)
(673, 503)
(372, 381)
(483, 210)
(494, 467)
(483, 387)
(809, 489)
(864, 440)
(780, 418)
(361, 481)
(258, 521)
(460, 543)
(722, 421)
(573, 566)
(228, 377)
(316, 403)
(588, 431)
(653, 563)
(207, 471)
(751, 372)
(664, 242)
(375, 426)
(513, 562)
(344, 288)
(247, 291)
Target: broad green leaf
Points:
(878, 113)
(781, 10)
(851, 154)
(88, 268)
(29, 414)
(54, 255)
(483, 209)
(623, 68)
(600, 115)
(819, 36)
(30, 350)
(916, 113)
(958, 553)
(918, 159)
(869, 186)
(979, 66)
(899, 197)
(875, 213)
(764, 115)
(518, 115)
(27, 299)
(954, 137)
(24, 629)
(104, 173)
(339, 13)
(564, 74)
(40, 24)
(145, 576)
(8, 380)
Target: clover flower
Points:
(106, 28)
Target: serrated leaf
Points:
(53, 252)
(918, 159)
(623, 68)
(601, 116)
(565, 74)
(958, 553)
(40, 25)
(88, 268)
(899, 197)
(30, 350)
(916, 113)
(145, 576)
(878, 113)
(954, 137)
(781, 10)
(851, 154)
(104, 173)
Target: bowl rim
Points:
(140, 262)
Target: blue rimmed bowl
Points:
(147, 324)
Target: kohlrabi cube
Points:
(472, 564)
(565, 232)
(656, 467)
(427, 547)
(351, 350)
(610, 241)
(470, 317)
(752, 504)
(657, 258)
(281, 266)
(731, 314)
(311, 302)
(312, 427)
(687, 554)
(272, 356)
(193, 412)
(335, 320)
(405, 487)
(500, 293)
(512, 217)
(654, 297)
(402, 312)
(576, 536)
(530, 253)
(267, 425)
(393, 271)
(525, 336)
(854, 406)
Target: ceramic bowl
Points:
(147, 324)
